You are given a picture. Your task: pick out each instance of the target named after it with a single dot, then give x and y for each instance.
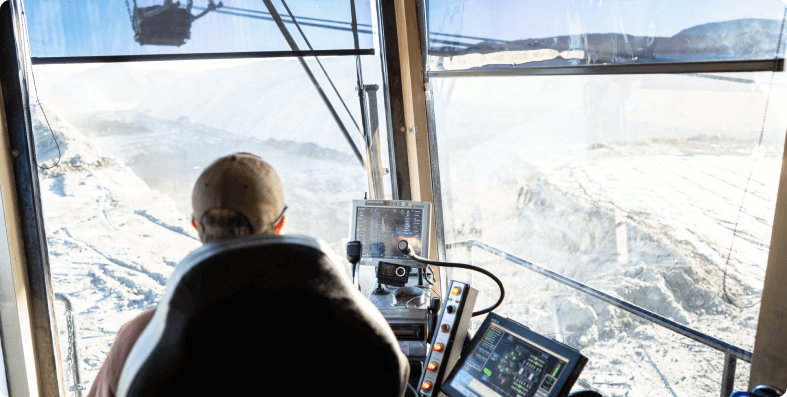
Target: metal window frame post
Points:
(728, 376)
(46, 360)
(373, 155)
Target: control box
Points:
(449, 336)
(507, 359)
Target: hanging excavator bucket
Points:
(166, 24)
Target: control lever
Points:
(434, 310)
(354, 249)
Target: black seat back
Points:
(261, 314)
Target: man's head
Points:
(237, 195)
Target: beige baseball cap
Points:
(242, 182)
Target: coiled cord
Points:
(404, 246)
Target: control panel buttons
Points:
(446, 345)
(400, 271)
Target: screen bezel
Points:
(426, 224)
(537, 340)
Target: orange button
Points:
(426, 386)
(438, 347)
(445, 328)
(455, 291)
(432, 366)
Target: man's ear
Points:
(280, 226)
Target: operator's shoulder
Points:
(336, 259)
(342, 264)
(137, 324)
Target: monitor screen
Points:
(379, 228)
(507, 359)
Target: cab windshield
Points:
(125, 120)
(634, 148)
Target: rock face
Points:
(116, 177)
(586, 169)
(113, 242)
(568, 220)
(115, 207)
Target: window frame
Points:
(769, 342)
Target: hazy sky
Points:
(103, 27)
(520, 19)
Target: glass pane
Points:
(132, 139)
(639, 186)
(627, 356)
(470, 34)
(96, 28)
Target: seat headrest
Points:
(263, 313)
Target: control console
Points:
(449, 336)
(407, 311)
(376, 226)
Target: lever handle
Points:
(404, 246)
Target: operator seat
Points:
(263, 314)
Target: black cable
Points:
(480, 270)
(409, 252)
(434, 279)
(412, 388)
(327, 102)
(300, 17)
(38, 100)
(435, 292)
(297, 25)
(265, 18)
